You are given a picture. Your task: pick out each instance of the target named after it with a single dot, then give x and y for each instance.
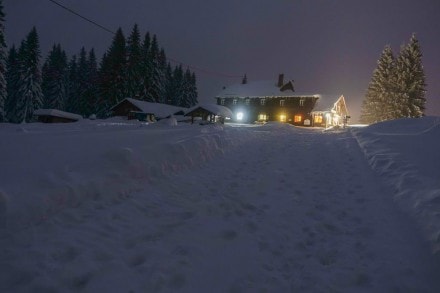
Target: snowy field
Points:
(117, 206)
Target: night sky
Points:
(326, 46)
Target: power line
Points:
(83, 17)
(171, 59)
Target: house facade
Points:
(264, 101)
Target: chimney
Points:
(244, 81)
(280, 80)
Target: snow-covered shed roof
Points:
(57, 113)
(159, 110)
(255, 89)
(217, 110)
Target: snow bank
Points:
(47, 168)
(405, 153)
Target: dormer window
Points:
(247, 101)
(222, 101)
(302, 101)
(282, 103)
(263, 101)
(234, 101)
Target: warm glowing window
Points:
(297, 118)
(234, 102)
(262, 117)
(283, 118)
(318, 119)
(263, 101)
(282, 103)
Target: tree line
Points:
(131, 67)
(397, 88)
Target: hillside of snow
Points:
(123, 206)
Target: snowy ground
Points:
(111, 206)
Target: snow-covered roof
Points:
(159, 110)
(213, 108)
(57, 113)
(255, 89)
(326, 102)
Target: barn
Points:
(55, 116)
(145, 111)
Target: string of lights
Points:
(195, 68)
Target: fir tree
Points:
(178, 86)
(3, 66)
(12, 81)
(72, 104)
(30, 96)
(169, 93)
(112, 74)
(83, 82)
(92, 88)
(55, 79)
(146, 67)
(411, 80)
(155, 73)
(379, 102)
(134, 64)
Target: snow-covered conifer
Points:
(411, 79)
(30, 96)
(379, 101)
(55, 79)
(134, 64)
(3, 66)
(112, 73)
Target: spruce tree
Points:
(3, 66)
(379, 102)
(30, 96)
(55, 79)
(92, 91)
(12, 81)
(178, 86)
(411, 80)
(72, 104)
(112, 74)
(146, 67)
(134, 64)
(154, 72)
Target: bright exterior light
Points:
(283, 117)
(240, 116)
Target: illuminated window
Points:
(222, 101)
(262, 117)
(240, 116)
(297, 118)
(283, 118)
(301, 102)
(318, 119)
(247, 101)
(282, 103)
(263, 101)
(234, 102)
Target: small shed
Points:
(209, 112)
(145, 111)
(55, 116)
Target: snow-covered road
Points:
(291, 210)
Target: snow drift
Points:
(405, 153)
(49, 167)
